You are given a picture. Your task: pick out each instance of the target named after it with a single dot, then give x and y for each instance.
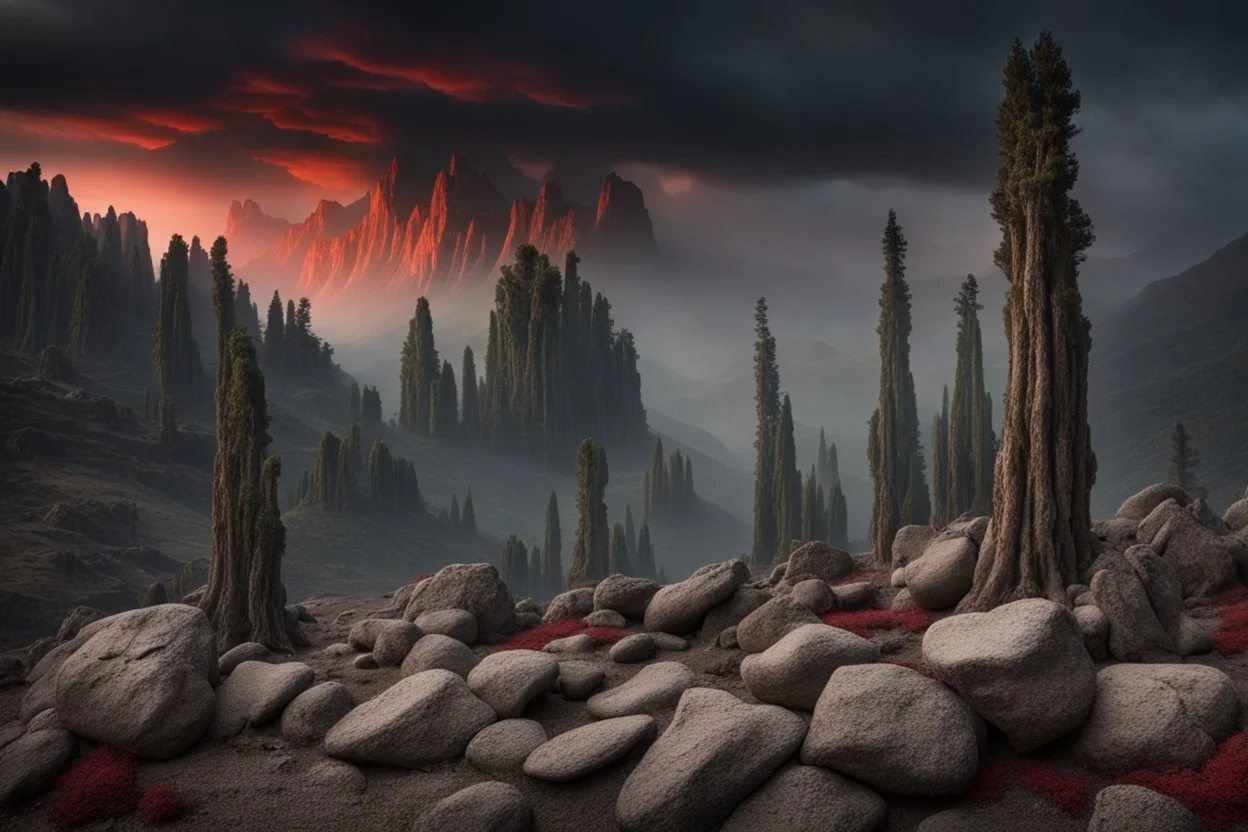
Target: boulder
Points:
(363, 634)
(78, 618)
(31, 763)
(1154, 715)
(680, 608)
(1236, 516)
(142, 681)
(794, 671)
(772, 622)
(636, 648)
(590, 748)
(817, 559)
(667, 641)
(732, 612)
(910, 543)
(627, 596)
(943, 575)
(255, 693)
(579, 643)
(248, 651)
(656, 687)
(310, 715)
(1193, 638)
(1137, 809)
(528, 605)
(475, 587)
(605, 618)
(578, 680)
(1021, 666)
(435, 652)
(337, 650)
(155, 594)
(11, 730)
(777, 573)
(1142, 504)
(1135, 634)
(898, 580)
(365, 661)
(727, 638)
(968, 525)
(901, 600)
(527, 621)
(575, 603)
(813, 594)
(715, 752)
(856, 596)
(503, 747)
(394, 642)
(894, 729)
(336, 776)
(1165, 593)
(488, 807)
(508, 680)
(801, 798)
(1094, 626)
(1204, 560)
(460, 625)
(418, 721)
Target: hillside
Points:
(1178, 350)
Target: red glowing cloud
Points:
(335, 173)
(137, 132)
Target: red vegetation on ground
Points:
(606, 635)
(1217, 794)
(1069, 792)
(867, 622)
(103, 784)
(1231, 636)
(160, 804)
(543, 634)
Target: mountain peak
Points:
(250, 231)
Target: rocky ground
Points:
(807, 699)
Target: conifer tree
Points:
(901, 496)
(455, 518)
(552, 550)
(536, 579)
(1184, 459)
(380, 472)
(418, 373)
(354, 413)
(274, 329)
(645, 554)
(1039, 540)
(619, 562)
(969, 480)
(178, 368)
(590, 552)
(838, 522)
(370, 407)
(444, 408)
(470, 418)
(941, 466)
(767, 419)
(325, 480)
(786, 484)
(630, 533)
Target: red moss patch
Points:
(1069, 792)
(1231, 636)
(160, 804)
(543, 634)
(1217, 793)
(866, 623)
(104, 784)
(606, 635)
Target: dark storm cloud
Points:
(777, 91)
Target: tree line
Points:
(668, 488)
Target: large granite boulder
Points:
(1140, 505)
(794, 671)
(809, 799)
(475, 587)
(715, 752)
(484, 807)
(772, 622)
(503, 747)
(817, 559)
(1137, 809)
(310, 715)
(679, 608)
(436, 652)
(732, 612)
(508, 680)
(627, 596)
(30, 764)
(460, 625)
(255, 693)
(1204, 560)
(910, 543)
(655, 687)
(142, 681)
(943, 574)
(582, 751)
(575, 603)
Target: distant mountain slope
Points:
(1178, 350)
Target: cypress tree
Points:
(645, 553)
(444, 407)
(838, 522)
(901, 496)
(767, 413)
(455, 518)
(786, 484)
(942, 466)
(967, 487)
(619, 561)
(380, 472)
(342, 480)
(810, 508)
(552, 550)
(1183, 461)
(470, 419)
(536, 579)
(325, 480)
(1039, 539)
(178, 368)
(370, 407)
(630, 533)
(273, 332)
(468, 517)
(590, 552)
(418, 373)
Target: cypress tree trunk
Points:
(940, 462)
(1039, 537)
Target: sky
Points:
(779, 132)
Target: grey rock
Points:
(605, 618)
(1087, 599)
(460, 625)
(365, 661)
(590, 748)
(943, 575)
(1165, 593)
(801, 798)
(528, 605)
(11, 730)
(575, 603)
(910, 543)
(1022, 666)
(777, 573)
(418, 721)
(1204, 560)
(337, 776)
(1075, 590)
(78, 618)
(394, 642)
(813, 594)
(817, 559)
(484, 807)
(727, 638)
(636, 648)
(1135, 634)
(732, 612)
(579, 643)
(363, 634)
(578, 680)
(894, 729)
(627, 596)
(156, 593)
(1094, 626)
(44, 720)
(503, 747)
(898, 580)
(669, 642)
(142, 681)
(527, 620)
(475, 587)
(1140, 505)
(248, 651)
(508, 680)
(681, 607)
(1137, 809)
(338, 650)
(310, 715)
(656, 687)
(1153, 715)
(772, 622)
(859, 595)
(902, 599)
(715, 752)
(435, 652)
(255, 693)
(794, 671)
(1193, 638)
(968, 525)
(1236, 516)
(30, 764)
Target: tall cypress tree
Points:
(810, 508)
(468, 519)
(591, 550)
(645, 554)
(443, 407)
(786, 484)
(470, 419)
(630, 533)
(967, 485)
(941, 465)
(1039, 538)
(619, 561)
(838, 522)
(901, 496)
(767, 423)
(178, 368)
(552, 550)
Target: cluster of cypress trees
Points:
(199, 273)
(290, 345)
(1183, 461)
(828, 483)
(179, 372)
(893, 449)
(963, 442)
(392, 479)
(591, 550)
(777, 482)
(520, 570)
(668, 485)
(420, 376)
(332, 483)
